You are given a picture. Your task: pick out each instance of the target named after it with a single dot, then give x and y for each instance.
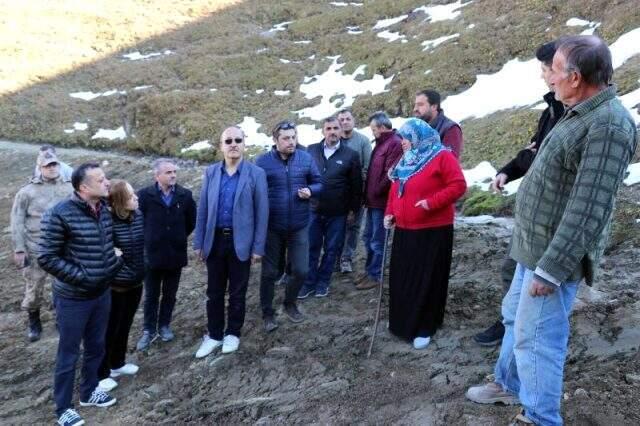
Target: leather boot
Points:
(35, 326)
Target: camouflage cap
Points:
(46, 157)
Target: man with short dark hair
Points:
(358, 142)
(562, 217)
(338, 204)
(77, 249)
(517, 168)
(292, 178)
(427, 107)
(386, 153)
(29, 205)
(230, 234)
(169, 218)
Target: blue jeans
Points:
(79, 321)
(326, 234)
(351, 238)
(373, 238)
(534, 346)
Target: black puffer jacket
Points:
(77, 249)
(128, 236)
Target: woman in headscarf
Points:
(426, 183)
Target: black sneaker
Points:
(98, 398)
(491, 336)
(70, 418)
(293, 313)
(270, 324)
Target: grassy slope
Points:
(219, 50)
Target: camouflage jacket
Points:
(30, 203)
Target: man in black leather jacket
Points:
(76, 247)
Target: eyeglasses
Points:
(236, 140)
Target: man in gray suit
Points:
(231, 228)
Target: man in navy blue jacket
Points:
(292, 178)
(330, 211)
(231, 229)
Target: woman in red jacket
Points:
(426, 183)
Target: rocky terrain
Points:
(317, 372)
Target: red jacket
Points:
(441, 183)
(385, 155)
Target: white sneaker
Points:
(207, 346)
(421, 342)
(127, 369)
(230, 344)
(107, 384)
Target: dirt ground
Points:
(317, 372)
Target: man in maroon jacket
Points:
(385, 155)
(427, 108)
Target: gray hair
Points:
(589, 56)
(160, 161)
(330, 119)
(381, 119)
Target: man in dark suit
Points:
(233, 213)
(169, 217)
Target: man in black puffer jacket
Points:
(338, 203)
(76, 247)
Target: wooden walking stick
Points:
(377, 319)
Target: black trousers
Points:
(224, 267)
(157, 282)
(124, 305)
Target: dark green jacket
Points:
(565, 202)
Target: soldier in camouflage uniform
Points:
(31, 202)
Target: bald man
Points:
(231, 230)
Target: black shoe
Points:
(491, 336)
(293, 313)
(270, 324)
(35, 326)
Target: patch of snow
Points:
(282, 92)
(69, 130)
(80, 126)
(333, 83)
(634, 175)
(427, 72)
(312, 57)
(88, 96)
(625, 47)
(443, 12)
(143, 87)
(137, 56)
(540, 106)
(282, 26)
(213, 89)
(198, 146)
(512, 187)
(430, 44)
(481, 175)
(384, 23)
(259, 91)
(302, 42)
(250, 128)
(343, 4)
(471, 26)
(262, 50)
(110, 134)
(354, 30)
(577, 22)
(391, 36)
(631, 101)
(285, 61)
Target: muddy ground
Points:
(317, 372)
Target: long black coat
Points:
(128, 236)
(166, 229)
(77, 249)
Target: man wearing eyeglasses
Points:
(292, 178)
(231, 229)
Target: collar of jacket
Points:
(75, 198)
(386, 136)
(593, 102)
(56, 181)
(555, 105)
(276, 155)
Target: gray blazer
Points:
(250, 211)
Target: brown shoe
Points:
(367, 284)
(361, 278)
(521, 419)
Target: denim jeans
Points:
(296, 246)
(79, 321)
(157, 282)
(223, 266)
(373, 238)
(326, 234)
(351, 238)
(534, 346)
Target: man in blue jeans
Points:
(292, 178)
(76, 247)
(338, 204)
(385, 155)
(562, 216)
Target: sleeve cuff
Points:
(544, 276)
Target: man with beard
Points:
(427, 107)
